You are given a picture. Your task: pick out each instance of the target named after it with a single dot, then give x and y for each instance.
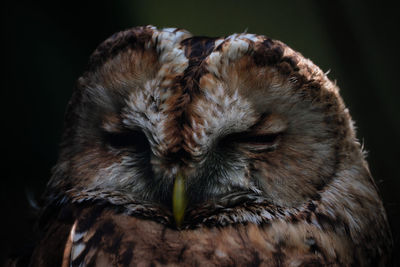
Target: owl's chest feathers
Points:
(239, 233)
(240, 229)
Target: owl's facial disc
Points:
(242, 113)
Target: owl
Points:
(188, 150)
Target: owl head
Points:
(221, 151)
(230, 115)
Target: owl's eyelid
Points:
(270, 124)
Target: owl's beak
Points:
(179, 199)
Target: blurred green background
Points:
(48, 46)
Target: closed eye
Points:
(252, 141)
(258, 139)
(128, 139)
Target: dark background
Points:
(47, 47)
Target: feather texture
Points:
(274, 175)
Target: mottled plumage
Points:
(273, 173)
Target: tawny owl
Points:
(182, 150)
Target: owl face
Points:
(237, 114)
(215, 151)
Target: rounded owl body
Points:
(182, 150)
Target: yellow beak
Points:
(179, 199)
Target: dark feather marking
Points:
(135, 38)
(311, 206)
(88, 217)
(91, 263)
(268, 53)
(163, 232)
(108, 227)
(278, 255)
(256, 260)
(181, 253)
(125, 257)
